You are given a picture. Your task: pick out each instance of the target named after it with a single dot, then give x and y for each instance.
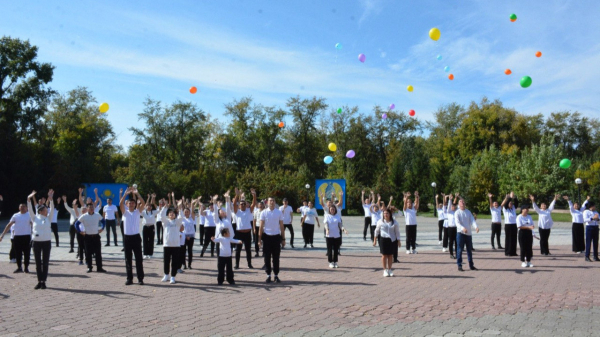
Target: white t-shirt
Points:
(90, 223)
(271, 219)
(22, 223)
(257, 212)
(310, 216)
(225, 245)
(210, 221)
(510, 216)
(110, 211)
(334, 224)
(375, 216)
(410, 214)
(149, 217)
(131, 222)
(244, 219)
(367, 208)
(524, 221)
(162, 214)
(188, 224)
(172, 234)
(496, 214)
(287, 214)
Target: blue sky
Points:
(125, 51)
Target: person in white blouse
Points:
(451, 224)
(441, 217)
(244, 216)
(578, 241)
(590, 218)
(387, 231)
(525, 225)
(410, 215)
(333, 227)
(149, 221)
(41, 234)
(309, 216)
(369, 225)
(288, 218)
(257, 210)
(510, 225)
(271, 238)
(72, 219)
(209, 227)
(464, 221)
(222, 218)
(544, 222)
(496, 213)
(189, 225)
(132, 241)
(172, 226)
(224, 261)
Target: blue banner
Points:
(105, 191)
(332, 189)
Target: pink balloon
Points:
(362, 58)
(384, 116)
(392, 106)
(350, 154)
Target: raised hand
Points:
(566, 197)
(96, 190)
(416, 193)
(490, 195)
(531, 197)
(64, 198)
(363, 191)
(50, 193)
(253, 191)
(32, 194)
(512, 194)
(81, 190)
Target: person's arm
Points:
(237, 242)
(490, 195)
(551, 207)
(81, 199)
(571, 209)
(406, 195)
(377, 232)
(8, 226)
(192, 209)
(31, 198)
(142, 203)
(98, 201)
(66, 204)
(75, 208)
(235, 200)
(148, 199)
(228, 207)
(122, 200)
(340, 202)
(390, 202)
(437, 201)
(216, 209)
(505, 201)
(474, 222)
(51, 198)
(317, 218)
(416, 206)
(534, 205)
(583, 206)
(291, 214)
(253, 205)
(362, 197)
(282, 232)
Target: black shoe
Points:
(201, 254)
(365, 238)
(101, 270)
(506, 255)
(257, 255)
(236, 267)
(500, 247)
(596, 259)
(123, 249)
(340, 253)
(311, 246)
(460, 269)
(292, 245)
(232, 283)
(326, 254)
(89, 270)
(305, 245)
(212, 255)
(396, 261)
(128, 282)
(588, 259)
(263, 267)
(250, 266)
(71, 251)
(189, 266)
(116, 245)
(26, 271)
(268, 279)
(43, 285)
(548, 253)
(473, 268)
(184, 267)
(220, 283)
(472, 249)
(107, 245)
(494, 248)
(141, 282)
(38, 286)
(452, 257)
(277, 280)
(19, 270)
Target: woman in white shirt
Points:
(525, 225)
(73, 217)
(209, 227)
(333, 228)
(42, 234)
(451, 225)
(189, 224)
(410, 214)
(309, 216)
(259, 208)
(387, 231)
(578, 242)
(510, 225)
(172, 228)
(544, 222)
(222, 218)
(496, 213)
(149, 216)
(441, 217)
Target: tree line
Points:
(60, 140)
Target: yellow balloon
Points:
(103, 107)
(435, 34)
(410, 88)
(332, 147)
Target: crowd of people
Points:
(235, 224)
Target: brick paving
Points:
(427, 296)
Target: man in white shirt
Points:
(22, 237)
(132, 241)
(91, 237)
(496, 212)
(464, 220)
(271, 237)
(110, 217)
(244, 215)
(366, 204)
(590, 218)
(288, 217)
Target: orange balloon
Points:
(538, 54)
(450, 77)
(513, 20)
(193, 90)
(508, 72)
(281, 124)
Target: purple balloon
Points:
(392, 106)
(350, 154)
(384, 116)
(362, 58)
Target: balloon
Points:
(384, 116)
(565, 163)
(446, 69)
(508, 72)
(410, 88)
(328, 160)
(513, 17)
(412, 113)
(362, 58)
(350, 154)
(338, 46)
(193, 90)
(435, 34)
(439, 57)
(451, 77)
(392, 106)
(538, 54)
(332, 147)
(339, 110)
(104, 107)
(525, 81)
(281, 124)
(513, 20)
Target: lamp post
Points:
(433, 185)
(307, 186)
(578, 182)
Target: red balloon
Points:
(450, 77)
(412, 113)
(281, 124)
(193, 90)
(538, 54)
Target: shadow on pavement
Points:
(108, 293)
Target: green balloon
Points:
(525, 81)
(565, 163)
(339, 110)
(513, 16)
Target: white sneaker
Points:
(444, 250)
(331, 265)
(529, 265)
(390, 272)
(385, 273)
(524, 264)
(335, 265)
(172, 280)
(439, 242)
(165, 278)
(145, 257)
(13, 261)
(408, 252)
(414, 251)
(149, 256)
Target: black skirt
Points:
(386, 246)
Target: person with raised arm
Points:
(209, 227)
(590, 218)
(333, 228)
(257, 210)
(110, 218)
(445, 223)
(224, 261)
(161, 216)
(244, 215)
(452, 229)
(510, 225)
(41, 236)
(578, 241)
(222, 218)
(149, 216)
(53, 218)
(464, 221)
(73, 212)
(173, 226)
(189, 225)
(496, 212)
(366, 204)
(410, 215)
(526, 227)
(271, 238)
(440, 216)
(132, 241)
(544, 222)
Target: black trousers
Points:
(148, 237)
(22, 244)
(189, 247)
(246, 238)
(72, 233)
(54, 228)
(80, 247)
(41, 251)
(112, 225)
(181, 257)
(170, 262)
(308, 232)
(201, 235)
(411, 237)
(92, 246)
(370, 227)
(544, 236)
(333, 246)
(291, 229)
(254, 236)
(578, 237)
(159, 233)
(11, 254)
(526, 244)
(133, 247)
(591, 241)
(452, 247)
(510, 239)
(256, 241)
(496, 232)
(445, 238)
(222, 263)
(440, 229)
(271, 250)
(209, 232)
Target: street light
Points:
(307, 192)
(433, 185)
(578, 182)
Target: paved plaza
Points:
(426, 297)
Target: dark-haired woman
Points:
(388, 233)
(333, 228)
(578, 242)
